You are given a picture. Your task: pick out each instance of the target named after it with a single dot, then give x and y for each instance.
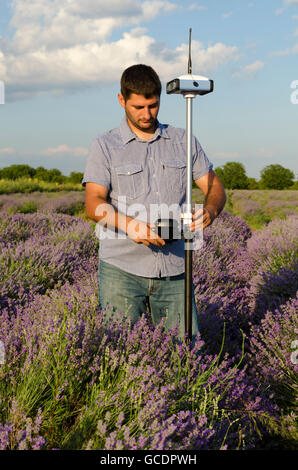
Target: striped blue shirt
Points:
(146, 180)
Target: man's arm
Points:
(215, 198)
(99, 210)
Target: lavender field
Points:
(259, 207)
(69, 382)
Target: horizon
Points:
(61, 62)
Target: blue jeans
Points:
(134, 295)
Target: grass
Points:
(30, 185)
(258, 207)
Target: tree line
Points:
(232, 175)
(275, 176)
(14, 172)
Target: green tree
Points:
(276, 177)
(53, 175)
(76, 177)
(253, 183)
(56, 176)
(13, 172)
(233, 175)
(42, 173)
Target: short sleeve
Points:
(201, 163)
(97, 168)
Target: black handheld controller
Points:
(168, 229)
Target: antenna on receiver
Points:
(190, 84)
(189, 53)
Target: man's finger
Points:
(158, 242)
(198, 214)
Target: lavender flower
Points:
(74, 382)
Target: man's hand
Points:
(201, 219)
(140, 232)
(215, 199)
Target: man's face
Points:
(141, 112)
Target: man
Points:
(138, 166)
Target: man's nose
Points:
(147, 113)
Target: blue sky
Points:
(61, 61)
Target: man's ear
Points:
(121, 100)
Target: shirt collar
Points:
(127, 134)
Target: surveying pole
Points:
(189, 86)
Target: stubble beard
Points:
(144, 128)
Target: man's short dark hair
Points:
(140, 79)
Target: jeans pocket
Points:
(130, 179)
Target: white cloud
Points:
(291, 2)
(227, 15)
(264, 153)
(151, 8)
(195, 6)
(91, 8)
(65, 23)
(236, 156)
(226, 156)
(64, 44)
(64, 149)
(289, 51)
(250, 70)
(6, 150)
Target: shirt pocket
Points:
(130, 179)
(175, 174)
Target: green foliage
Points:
(253, 183)
(29, 185)
(258, 207)
(28, 207)
(257, 219)
(14, 172)
(294, 186)
(233, 175)
(56, 176)
(276, 177)
(76, 177)
(23, 178)
(41, 173)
